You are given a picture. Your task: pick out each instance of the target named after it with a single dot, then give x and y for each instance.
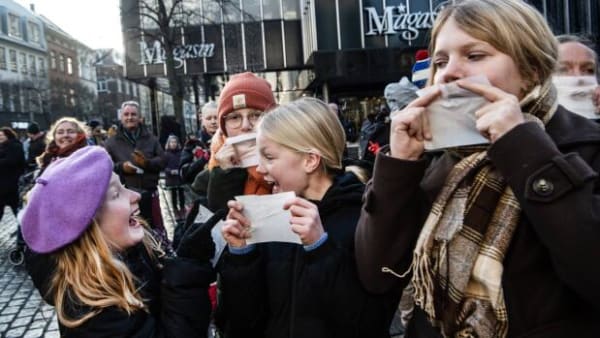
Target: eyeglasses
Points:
(235, 120)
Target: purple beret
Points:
(65, 198)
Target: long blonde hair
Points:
(307, 125)
(89, 276)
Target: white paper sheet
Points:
(576, 94)
(268, 220)
(452, 116)
(245, 147)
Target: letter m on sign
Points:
(378, 25)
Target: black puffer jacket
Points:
(279, 290)
(176, 297)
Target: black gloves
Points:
(196, 242)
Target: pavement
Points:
(23, 313)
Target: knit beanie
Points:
(244, 90)
(33, 128)
(420, 70)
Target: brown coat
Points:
(551, 274)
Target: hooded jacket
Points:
(281, 290)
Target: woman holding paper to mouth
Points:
(498, 240)
(277, 289)
(242, 103)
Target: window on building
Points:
(126, 84)
(61, 63)
(291, 10)
(119, 89)
(23, 62)
(134, 89)
(41, 67)
(102, 86)
(251, 10)
(271, 9)
(33, 32)
(72, 97)
(212, 12)
(52, 60)
(13, 60)
(14, 26)
(231, 11)
(3, 58)
(32, 65)
(69, 66)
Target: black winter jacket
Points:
(176, 297)
(279, 290)
(551, 276)
(12, 165)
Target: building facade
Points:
(340, 50)
(23, 67)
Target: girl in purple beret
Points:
(92, 257)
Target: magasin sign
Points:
(156, 54)
(398, 20)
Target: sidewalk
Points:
(23, 313)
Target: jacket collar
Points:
(567, 128)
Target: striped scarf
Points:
(457, 264)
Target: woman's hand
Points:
(305, 221)
(227, 156)
(501, 115)
(410, 128)
(236, 228)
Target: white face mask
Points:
(576, 94)
(452, 116)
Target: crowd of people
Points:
(493, 239)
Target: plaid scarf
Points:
(457, 264)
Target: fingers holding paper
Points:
(236, 228)
(227, 156)
(501, 115)
(305, 220)
(410, 128)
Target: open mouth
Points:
(134, 218)
(274, 185)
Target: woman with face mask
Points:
(498, 240)
(309, 290)
(576, 77)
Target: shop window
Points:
(271, 9)
(251, 10)
(291, 10)
(14, 26)
(232, 11)
(212, 12)
(3, 58)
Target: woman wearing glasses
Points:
(242, 102)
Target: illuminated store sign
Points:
(156, 54)
(398, 20)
